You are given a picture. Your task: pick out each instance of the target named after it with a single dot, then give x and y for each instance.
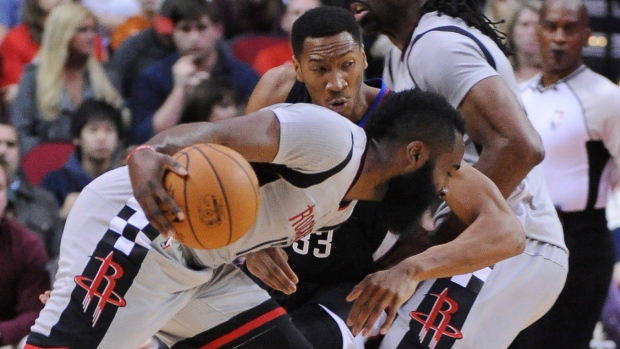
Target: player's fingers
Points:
(278, 276)
(150, 208)
(391, 316)
(257, 267)
(372, 317)
(355, 292)
(175, 166)
(356, 318)
(283, 264)
(262, 265)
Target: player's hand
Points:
(384, 290)
(271, 266)
(146, 171)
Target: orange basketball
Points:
(219, 196)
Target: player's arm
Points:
(272, 88)
(495, 120)
(493, 234)
(255, 136)
(511, 147)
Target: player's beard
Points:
(407, 197)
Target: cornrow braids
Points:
(469, 11)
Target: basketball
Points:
(219, 196)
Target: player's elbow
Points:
(531, 150)
(523, 154)
(513, 236)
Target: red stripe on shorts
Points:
(30, 346)
(227, 338)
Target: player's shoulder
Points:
(273, 87)
(280, 79)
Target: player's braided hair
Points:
(470, 12)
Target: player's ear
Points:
(297, 67)
(417, 154)
(364, 58)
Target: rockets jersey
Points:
(349, 253)
(578, 119)
(301, 191)
(464, 62)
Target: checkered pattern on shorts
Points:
(131, 228)
(473, 281)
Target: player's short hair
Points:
(321, 22)
(413, 115)
(92, 109)
(190, 10)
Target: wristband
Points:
(137, 149)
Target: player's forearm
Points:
(485, 242)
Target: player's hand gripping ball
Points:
(219, 196)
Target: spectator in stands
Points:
(499, 11)
(31, 206)
(282, 53)
(22, 43)
(65, 74)
(97, 130)
(4, 110)
(523, 42)
(250, 17)
(111, 13)
(9, 15)
(161, 89)
(135, 24)
(212, 100)
(143, 49)
(23, 276)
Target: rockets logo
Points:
(438, 319)
(102, 286)
(303, 223)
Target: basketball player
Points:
(115, 273)
(448, 47)
(326, 265)
(577, 113)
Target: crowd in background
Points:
(85, 81)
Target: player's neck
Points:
(376, 174)
(367, 97)
(400, 33)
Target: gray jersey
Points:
(462, 311)
(583, 107)
(427, 66)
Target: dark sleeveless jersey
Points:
(348, 253)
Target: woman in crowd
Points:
(523, 42)
(64, 74)
(21, 44)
